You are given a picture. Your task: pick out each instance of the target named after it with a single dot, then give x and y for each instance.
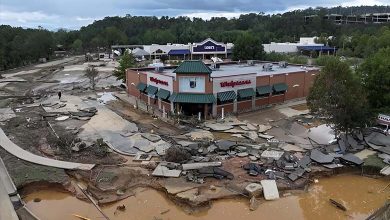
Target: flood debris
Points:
(320, 157)
(195, 166)
(254, 189)
(164, 170)
(337, 204)
(270, 190)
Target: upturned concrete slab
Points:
(270, 190)
(218, 126)
(151, 137)
(322, 134)
(265, 136)
(251, 135)
(20, 153)
(164, 171)
(6, 114)
(351, 158)
(320, 157)
(251, 127)
(225, 145)
(200, 135)
(272, 154)
(292, 148)
(235, 131)
(264, 128)
(161, 147)
(195, 166)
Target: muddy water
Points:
(359, 194)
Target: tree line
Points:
(20, 46)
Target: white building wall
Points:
(185, 84)
(217, 87)
(161, 77)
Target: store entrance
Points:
(192, 109)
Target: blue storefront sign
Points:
(209, 47)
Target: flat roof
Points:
(226, 70)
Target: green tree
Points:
(126, 61)
(77, 45)
(91, 73)
(337, 96)
(247, 47)
(374, 73)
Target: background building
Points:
(202, 50)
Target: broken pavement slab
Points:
(351, 158)
(163, 171)
(266, 136)
(151, 137)
(385, 171)
(320, 157)
(218, 126)
(264, 128)
(6, 114)
(225, 145)
(195, 166)
(292, 148)
(272, 154)
(270, 190)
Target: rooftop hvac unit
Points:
(159, 69)
(283, 64)
(215, 66)
(250, 62)
(267, 67)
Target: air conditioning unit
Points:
(159, 69)
(215, 66)
(283, 64)
(267, 67)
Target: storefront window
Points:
(224, 102)
(239, 99)
(262, 95)
(278, 93)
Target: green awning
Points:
(262, 90)
(163, 94)
(141, 86)
(279, 87)
(151, 90)
(192, 98)
(245, 93)
(226, 96)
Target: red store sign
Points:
(158, 81)
(235, 83)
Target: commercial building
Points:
(195, 88)
(202, 50)
(305, 44)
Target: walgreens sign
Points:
(158, 81)
(235, 83)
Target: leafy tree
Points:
(77, 45)
(247, 47)
(126, 61)
(337, 96)
(91, 73)
(375, 76)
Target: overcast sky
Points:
(72, 14)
